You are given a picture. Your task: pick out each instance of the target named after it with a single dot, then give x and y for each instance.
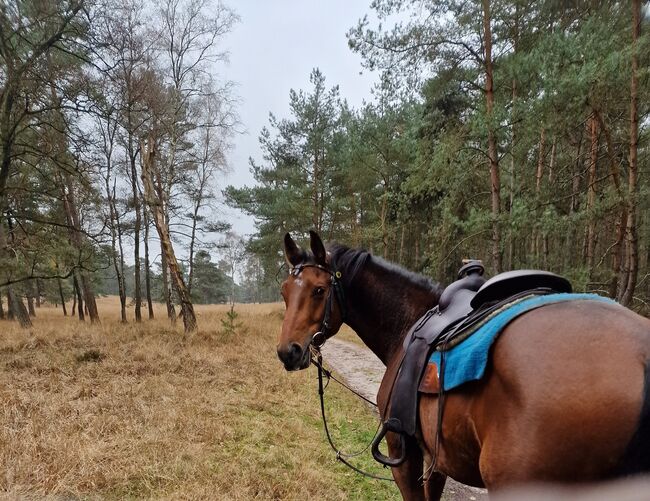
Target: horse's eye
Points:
(319, 291)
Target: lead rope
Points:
(340, 456)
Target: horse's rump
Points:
(562, 398)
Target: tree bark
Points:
(591, 195)
(190, 275)
(167, 290)
(620, 219)
(18, 309)
(74, 224)
(535, 240)
(147, 264)
(632, 258)
(137, 293)
(513, 146)
(15, 304)
(65, 312)
(116, 238)
(80, 302)
(495, 182)
(30, 299)
(157, 210)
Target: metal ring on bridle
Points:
(318, 339)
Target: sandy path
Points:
(363, 371)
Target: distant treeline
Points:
(515, 132)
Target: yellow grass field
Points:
(140, 412)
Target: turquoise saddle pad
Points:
(467, 361)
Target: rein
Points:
(318, 340)
(340, 456)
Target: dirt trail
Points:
(363, 371)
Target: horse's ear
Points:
(317, 248)
(292, 253)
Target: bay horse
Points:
(563, 398)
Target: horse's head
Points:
(312, 310)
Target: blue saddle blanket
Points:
(467, 361)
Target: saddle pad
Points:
(467, 361)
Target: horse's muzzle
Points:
(294, 357)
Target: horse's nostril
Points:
(295, 350)
(291, 355)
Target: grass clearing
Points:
(139, 412)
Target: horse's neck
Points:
(383, 304)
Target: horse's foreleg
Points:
(434, 486)
(408, 476)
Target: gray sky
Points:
(272, 50)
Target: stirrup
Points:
(394, 426)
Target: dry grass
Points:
(130, 412)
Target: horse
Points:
(563, 398)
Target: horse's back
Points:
(572, 379)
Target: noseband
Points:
(323, 334)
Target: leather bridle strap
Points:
(323, 334)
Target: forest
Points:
(114, 126)
(512, 132)
(508, 131)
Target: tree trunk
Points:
(74, 224)
(513, 171)
(30, 300)
(401, 245)
(137, 293)
(620, 219)
(167, 291)
(535, 239)
(116, 237)
(17, 307)
(384, 215)
(147, 264)
(10, 311)
(632, 258)
(551, 167)
(2, 310)
(571, 252)
(15, 304)
(190, 275)
(157, 210)
(495, 183)
(80, 301)
(591, 196)
(65, 312)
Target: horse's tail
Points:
(637, 454)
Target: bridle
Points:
(317, 341)
(324, 332)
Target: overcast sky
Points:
(272, 50)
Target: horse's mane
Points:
(350, 261)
